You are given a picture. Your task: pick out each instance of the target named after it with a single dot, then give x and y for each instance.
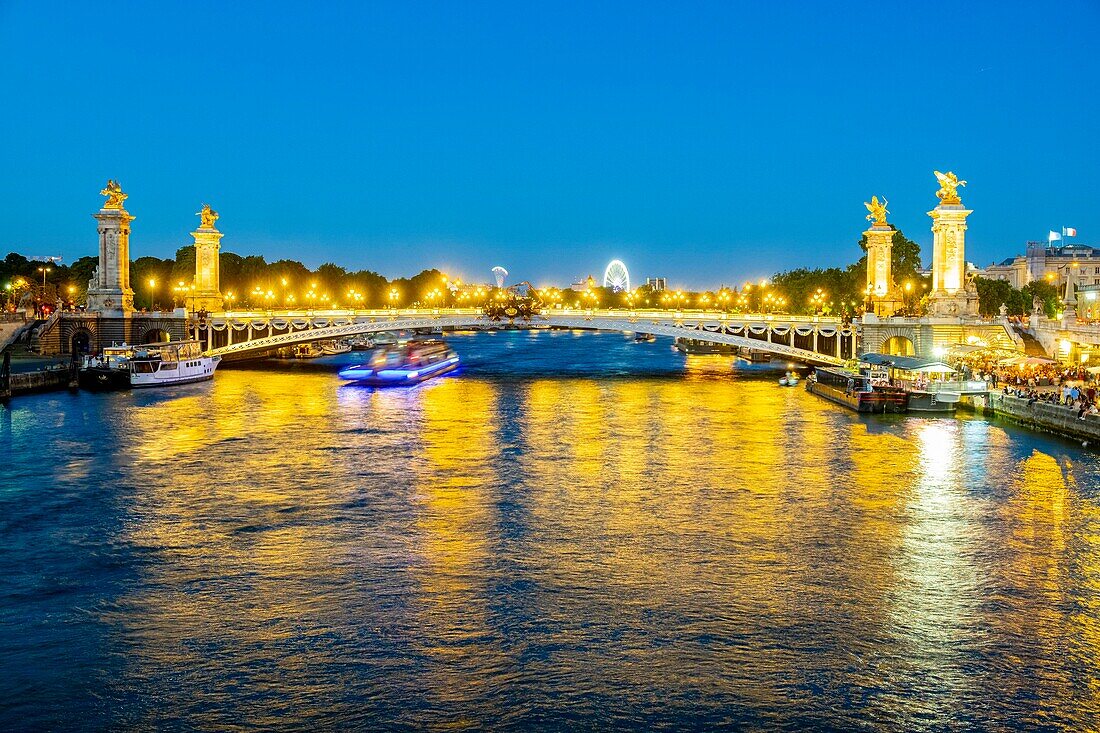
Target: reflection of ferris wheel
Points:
(616, 277)
(499, 273)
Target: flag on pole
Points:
(1069, 232)
(1053, 236)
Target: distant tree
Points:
(422, 282)
(841, 290)
(297, 276)
(229, 267)
(183, 268)
(373, 286)
(993, 293)
(144, 269)
(80, 272)
(252, 273)
(1047, 294)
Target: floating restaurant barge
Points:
(890, 383)
(855, 391)
(924, 381)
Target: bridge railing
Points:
(664, 314)
(958, 385)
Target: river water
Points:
(575, 531)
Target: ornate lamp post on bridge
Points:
(817, 300)
(724, 298)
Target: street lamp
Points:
(152, 285)
(817, 300)
(44, 270)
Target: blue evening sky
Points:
(705, 142)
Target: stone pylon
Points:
(207, 294)
(109, 289)
(884, 295)
(952, 293)
(881, 290)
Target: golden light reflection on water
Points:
(453, 494)
(622, 534)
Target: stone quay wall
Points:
(40, 381)
(1044, 416)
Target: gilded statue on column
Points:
(114, 195)
(877, 217)
(207, 216)
(949, 187)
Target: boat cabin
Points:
(164, 356)
(908, 372)
(410, 354)
(115, 356)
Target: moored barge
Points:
(856, 391)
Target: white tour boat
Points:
(333, 348)
(171, 362)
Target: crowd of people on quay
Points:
(1072, 397)
(1009, 368)
(1074, 388)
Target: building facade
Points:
(1054, 264)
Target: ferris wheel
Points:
(616, 277)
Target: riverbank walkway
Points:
(1043, 411)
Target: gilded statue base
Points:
(962, 303)
(111, 302)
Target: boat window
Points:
(167, 365)
(143, 367)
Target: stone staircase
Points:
(1032, 347)
(18, 336)
(41, 329)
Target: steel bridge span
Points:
(816, 341)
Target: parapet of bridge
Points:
(1067, 338)
(65, 332)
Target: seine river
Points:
(575, 532)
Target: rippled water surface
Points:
(576, 531)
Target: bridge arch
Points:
(80, 341)
(155, 335)
(715, 330)
(895, 341)
(898, 346)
